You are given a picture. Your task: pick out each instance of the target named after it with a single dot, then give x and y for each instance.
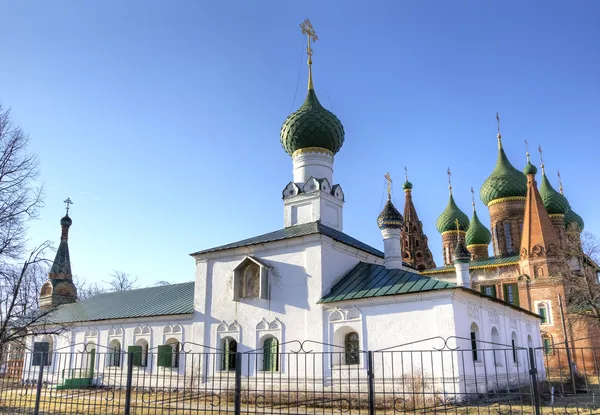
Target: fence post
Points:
(129, 383)
(534, 381)
(38, 394)
(238, 384)
(371, 382)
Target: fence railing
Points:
(433, 375)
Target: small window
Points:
(229, 352)
(168, 354)
(114, 354)
(548, 347)
(489, 290)
(474, 334)
(508, 237)
(448, 259)
(352, 349)
(271, 355)
(543, 312)
(513, 342)
(495, 235)
(511, 294)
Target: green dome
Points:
(407, 185)
(446, 221)
(312, 126)
(505, 181)
(389, 218)
(572, 217)
(478, 234)
(66, 221)
(554, 202)
(529, 169)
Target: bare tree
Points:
(122, 281)
(21, 275)
(86, 289)
(19, 311)
(20, 198)
(582, 284)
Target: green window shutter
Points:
(543, 314)
(482, 289)
(494, 294)
(515, 293)
(270, 355)
(165, 355)
(547, 346)
(505, 292)
(136, 354)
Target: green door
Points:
(271, 355)
(92, 362)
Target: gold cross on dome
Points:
(498, 121)
(405, 173)
(388, 178)
(68, 203)
(309, 31)
(457, 225)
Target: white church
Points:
(306, 281)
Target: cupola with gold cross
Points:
(312, 136)
(478, 237)
(59, 289)
(390, 222)
(503, 192)
(446, 224)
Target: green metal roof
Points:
(295, 232)
(370, 280)
(154, 301)
(494, 261)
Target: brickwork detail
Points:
(506, 218)
(415, 249)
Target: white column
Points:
(392, 248)
(462, 274)
(317, 164)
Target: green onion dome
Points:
(572, 217)
(505, 180)
(390, 218)
(447, 220)
(529, 169)
(407, 185)
(312, 126)
(477, 234)
(554, 202)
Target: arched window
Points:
(447, 253)
(495, 235)
(513, 342)
(474, 338)
(548, 345)
(114, 354)
(508, 237)
(271, 354)
(496, 345)
(140, 353)
(352, 349)
(251, 281)
(229, 351)
(529, 341)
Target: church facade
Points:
(307, 281)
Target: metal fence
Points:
(434, 375)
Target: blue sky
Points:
(161, 119)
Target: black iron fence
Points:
(434, 375)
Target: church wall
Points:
(72, 347)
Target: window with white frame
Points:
(508, 237)
(474, 340)
(543, 309)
